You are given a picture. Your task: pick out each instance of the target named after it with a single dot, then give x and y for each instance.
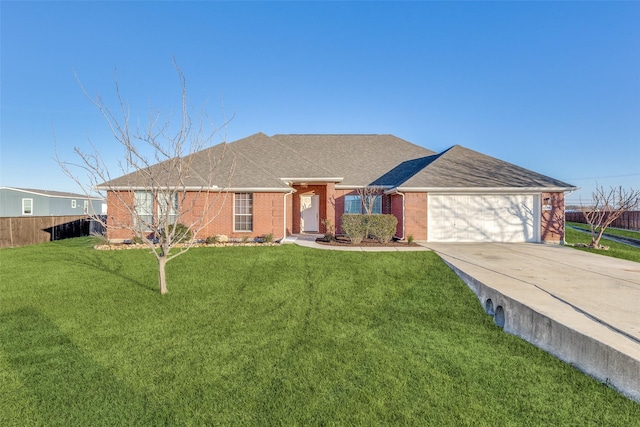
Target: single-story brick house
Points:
(288, 184)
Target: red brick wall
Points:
(118, 215)
(289, 213)
(397, 210)
(339, 207)
(268, 214)
(416, 215)
(330, 206)
(552, 221)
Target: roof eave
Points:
(317, 179)
(258, 190)
(57, 196)
(355, 187)
(212, 189)
(148, 188)
(496, 190)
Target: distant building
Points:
(19, 202)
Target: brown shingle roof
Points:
(262, 162)
(359, 159)
(464, 168)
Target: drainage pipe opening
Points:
(488, 307)
(498, 318)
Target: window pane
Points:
(243, 212)
(377, 205)
(352, 205)
(168, 207)
(374, 203)
(27, 206)
(144, 210)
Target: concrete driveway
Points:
(582, 307)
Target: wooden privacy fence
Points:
(21, 231)
(629, 220)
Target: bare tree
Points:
(368, 197)
(608, 205)
(166, 199)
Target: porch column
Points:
(330, 205)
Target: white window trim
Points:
(73, 203)
(143, 210)
(31, 203)
(86, 206)
(245, 215)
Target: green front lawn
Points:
(616, 250)
(269, 336)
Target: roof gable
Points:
(464, 168)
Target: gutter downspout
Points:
(284, 210)
(403, 214)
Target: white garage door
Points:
(483, 218)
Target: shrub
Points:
(354, 227)
(181, 233)
(410, 239)
(137, 240)
(267, 238)
(212, 240)
(382, 227)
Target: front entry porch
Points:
(312, 205)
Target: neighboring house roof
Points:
(49, 193)
(263, 163)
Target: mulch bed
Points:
(343, 241)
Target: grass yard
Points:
(616, 250)
(613, 231)
(269, 336)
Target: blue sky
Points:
(550, 86)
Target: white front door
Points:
(309, 213)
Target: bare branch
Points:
(608, 206)
(368, 197)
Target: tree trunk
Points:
(596, 242)
(162, 264)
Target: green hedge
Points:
(357, 227)
(354, 226)
(382, 227)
